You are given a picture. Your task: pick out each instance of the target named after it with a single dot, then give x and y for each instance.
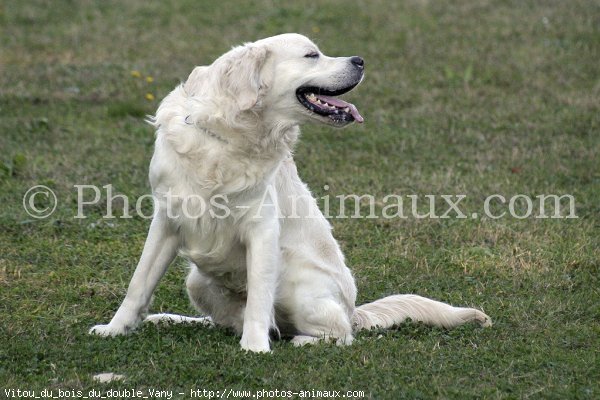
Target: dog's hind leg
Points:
(208, 297)
(225, 308)
(322, 319)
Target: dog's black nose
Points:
(358, 61)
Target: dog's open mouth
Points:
(322, 101)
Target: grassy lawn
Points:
(461, 97)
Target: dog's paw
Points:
(107, 330)
(303, 340)
(178, 319)
(255, 345)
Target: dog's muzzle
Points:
(322, 100)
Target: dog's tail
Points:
(393, 310)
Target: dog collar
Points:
(206, 131)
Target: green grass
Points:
(464, 97)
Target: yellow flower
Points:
(136, 74)
(149, 96)
(149, 79)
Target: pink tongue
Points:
(343, 104)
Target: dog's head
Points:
(283, 78)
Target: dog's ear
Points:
(242, 77)
(194, 81)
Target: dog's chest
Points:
(211, 235)
(211, 202)
(211, 241)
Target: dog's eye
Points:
(313, 54)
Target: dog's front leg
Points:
(159, 250)
(262, 263)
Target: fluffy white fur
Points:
(229, 131)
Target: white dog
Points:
(230, 200)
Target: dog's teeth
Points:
(347, 109)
